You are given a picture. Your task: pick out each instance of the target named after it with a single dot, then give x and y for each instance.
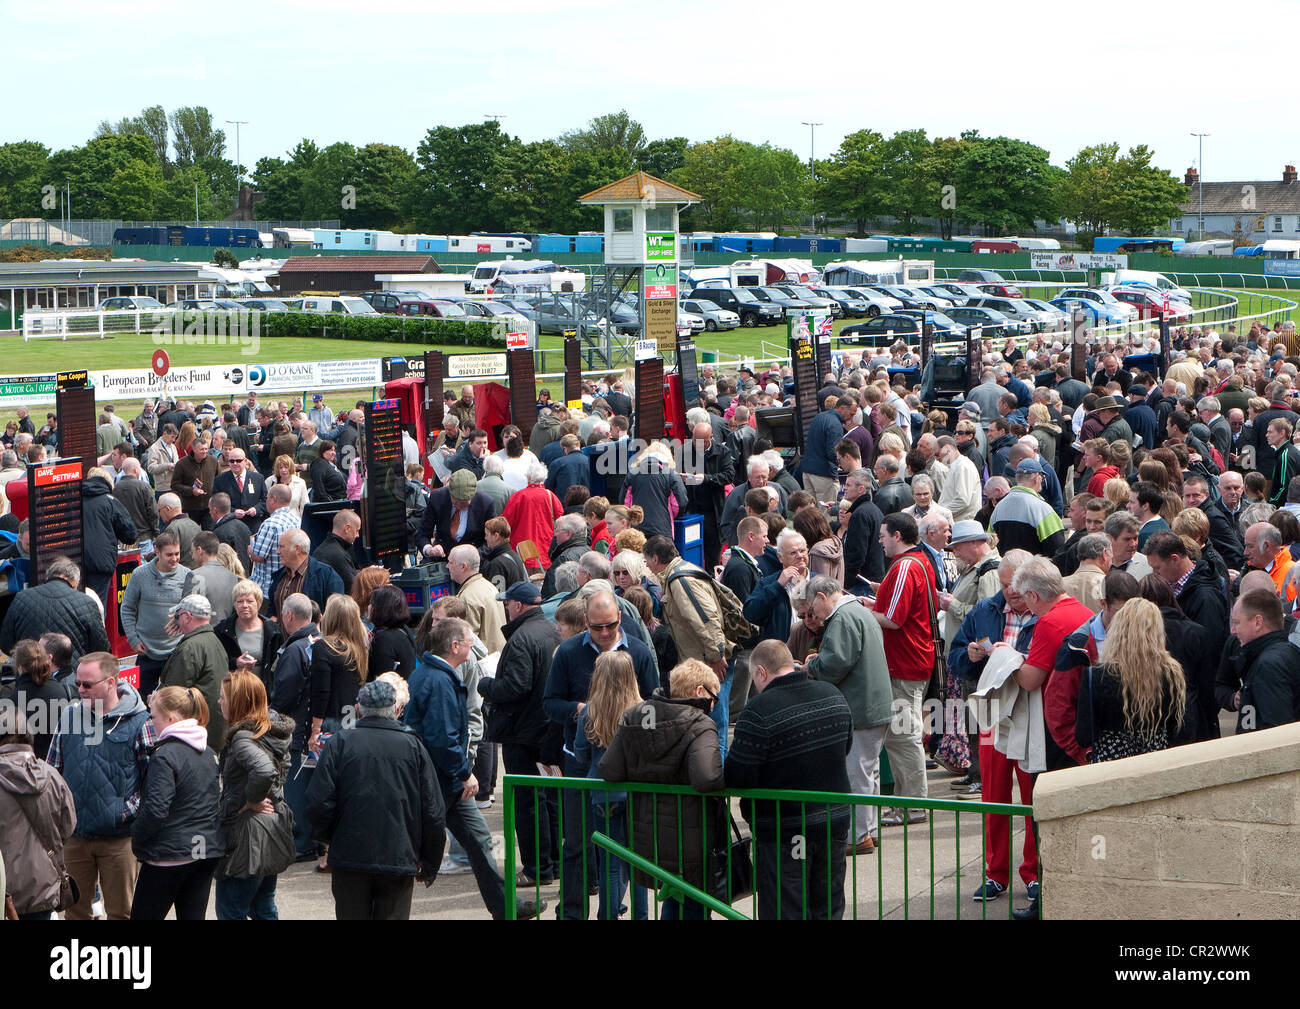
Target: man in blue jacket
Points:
(571, 468)
(300, 572)
(565, 695)
(820, 467)
(438, 713)
(769, 604)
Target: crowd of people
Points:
(1106, 564)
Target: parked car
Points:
(981, 277)
(139, 303)
(912, 298)
(849, 305)
(877, 303)
(194, 305)
(942, 325)
(1149, 304)
(1051, 317)
(741, 300)
(1095, 313)
(266, 305)
(783, 301)
(1014, 308)
(626, 319)
(1000, 290)
(430, 306)
(689, 320)
(553, 316)
(883, 330)
(387, 302)
(1099, 297)
(340, 304)
(989, 321)
(819, 302)
(714, 318)
(1174, 293)
(493, 311)
(956, 297)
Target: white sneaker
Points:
(453, 868)
(97, 911)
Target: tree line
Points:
(477, 177)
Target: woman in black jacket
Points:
(104, 524)
(339, 663)
(35, 683)
(177, 833)
(327, 481)
(251, 643)
(1196, 651)
(255, 820)
(391, 647)
(1133, 700)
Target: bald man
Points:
(137, 498)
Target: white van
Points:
(1157, 280)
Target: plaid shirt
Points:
(1178, 585)
(1015, 623)
(267, 544)
(142, 747)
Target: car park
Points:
(941, 325)
(741, 300)
(340, 304)
(1000, 290)
(1051, 317)
(713, 317)
(877, 303)
(775, 296)
(955, 297)
(1149, 304)
(689, 320)
(431, 306)
(981, 277)
(492, 311)
(266, 305)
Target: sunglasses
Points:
(84, 685)
(603, 627)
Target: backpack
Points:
(735, 627)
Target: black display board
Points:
(803, 361)
(385, 484)
(393, 368)
(1078, 346)
(75, 403)
(572, 370)
(974, 358)
(522, 375)
(823, 347)
(54, 502)
(688, 368)
(650, 399)
(927, 339)
(431, 367)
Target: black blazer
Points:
(435, 527)
(233, 531)
(254, 495)
(327, 481)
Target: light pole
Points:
(812, 166)
(495, 116)
(237, 123)
(1200, 184)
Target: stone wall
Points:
(1209, 830)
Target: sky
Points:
(1061, 76)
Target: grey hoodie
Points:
(149, 595)
(29, 787)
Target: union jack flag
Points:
(824, 325)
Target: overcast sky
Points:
(1060, 76)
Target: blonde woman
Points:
(286, 473)
(339, 663)
(629, 539)
(617, 519)
(1134, 699)
(613, 691)
(229, 560)
(1117, 491)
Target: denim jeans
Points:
(578, 863)
(721, 714)
(613, 873)
(295, 793)
(537, 829)
(239, 899)
(468, 827)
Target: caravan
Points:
(506, 275)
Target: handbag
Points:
(69, 892)
(736, 855)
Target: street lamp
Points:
(812, 165)
(1200, 184)
(237, 123)
(494, 115)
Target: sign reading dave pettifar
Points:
(385, 489)
(54, 496)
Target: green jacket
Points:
(199, 661)
(852, 658)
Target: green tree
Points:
(458, 170)
(1004, 184)
(662, 157)
(616, 131)
(323, 181)
(1146, 196)
(384, 176)
(852, 182)
(533, 187)
(196, 135)
(92, 169)
(22, 171)
(1088, 189)
(776, 187)
(907, 185)
(715, 170)
(134, 188)
(940, 168)
(280, 183)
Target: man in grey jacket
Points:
(852, 658)
(153, 590)
(215, 580)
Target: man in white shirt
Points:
(961, 489)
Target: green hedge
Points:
(393, 328)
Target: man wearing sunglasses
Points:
(102, 749)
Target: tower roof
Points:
(637, 187)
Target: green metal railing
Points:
(809, 822)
